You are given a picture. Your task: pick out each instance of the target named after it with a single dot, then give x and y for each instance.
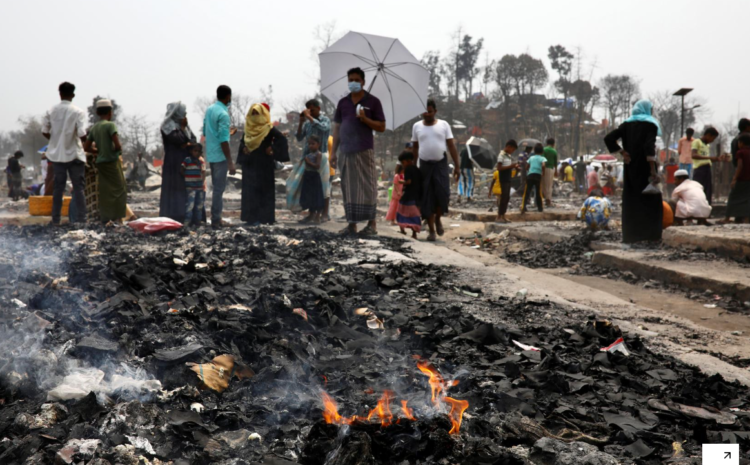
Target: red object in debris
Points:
(152, 225)
(617, 346)
(158, 163)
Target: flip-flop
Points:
(431, 237)
(440, 230)
(347, 232)
(367, 232)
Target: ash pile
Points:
(276, 346)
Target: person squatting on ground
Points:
(312, 198)
(398, 189)
(408, 215)
(535, 179)
(113, 190)
(689, 200)
(194, 171)
(505, 166)
(596, 210)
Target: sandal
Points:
(367, 232)
(304, 220)
(431, 237)
(440, 230)
(347, 232)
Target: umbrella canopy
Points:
(392, 74)
(527, 143)
(482, 152)
(605, 157)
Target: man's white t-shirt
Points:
(432, 139)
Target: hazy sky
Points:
(146, 53)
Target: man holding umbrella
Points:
(432, 139)
(357, 116)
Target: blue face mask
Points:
(355, 87)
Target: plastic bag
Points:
(294, 188)
(152, 225)
(651, 189)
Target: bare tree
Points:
(431, 61)
(466, 63)
(138, 134)
(619, 93)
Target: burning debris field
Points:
(283, 346)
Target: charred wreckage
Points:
(294, 346)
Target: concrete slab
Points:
(731, 241)
(532, 216)
(721, 277)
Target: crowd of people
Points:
(421, 185)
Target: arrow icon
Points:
(727, 455)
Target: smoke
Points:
(32, 357)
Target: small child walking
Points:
(398, 190)
(311, 197)
(408, 214)
(194, 170)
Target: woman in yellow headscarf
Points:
(261, 146)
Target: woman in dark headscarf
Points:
(641, 213)
(257, 155)
(177, 138)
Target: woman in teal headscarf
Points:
(641, 213)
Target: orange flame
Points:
(408, 413)
(383, 410)
(331, 412)
(458, 407)
(436, 381)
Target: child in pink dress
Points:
(398, 189)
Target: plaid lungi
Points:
(359, 185)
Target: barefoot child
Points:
(311, 197)
(408, 214)
(398, 188)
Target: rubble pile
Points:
(223, 347)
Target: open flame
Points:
(458, 407)
(383, 410)
(383, 413)
(407, 412)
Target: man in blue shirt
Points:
(314, 123)
(216, 129)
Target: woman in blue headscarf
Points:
(641, 212)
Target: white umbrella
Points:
(392, 74)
